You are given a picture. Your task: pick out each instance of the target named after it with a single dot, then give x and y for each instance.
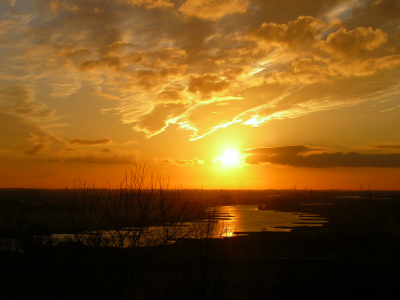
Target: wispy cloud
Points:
(112, 160)
(77, 141)
(179, 162)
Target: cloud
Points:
(281, 150)
(387, 9)
(207, 84)
(111, 61)
(212, 9)
(301, 33)
(169, 96)
(232, 73)
(386, 147)
(112, 160)
(77, 141)
(14, 130)
(303, 58)
(356, 42)
(35, 149)
(159, 117)
(116, 47)
(294, 156)
(39, 143)
(150, 4)
(162, 62)
(109, 96)
(179, 162)
(149, 79)
(18, 99)
(74, 52)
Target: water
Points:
(247, 218)
(230, 221)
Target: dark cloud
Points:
(328, 160)
(356, 42)
(74, 52)
(389, 9)
(233, 73)
(299, 33)
(169, 96)
(284, 11)
(89, 142)
(110, 61)
(148, 78)
(150, 4)
(207, 84)
(379, 10)
(112, 160)
(280, 150)
(388, 147)
(35, 149)
(191, 35)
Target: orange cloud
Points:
(169, 96)
(19, 99)
(150, 4)
(74, 52)
(35, 149)
(301, 33)
(112, 160)
(158, 119)
(111, 61)
(211, 9)
(207, 84)
(354, 43)
(179, 162)
(89, 142)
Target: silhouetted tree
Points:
(123, 230)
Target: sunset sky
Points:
(306, 92)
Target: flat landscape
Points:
(354, 254)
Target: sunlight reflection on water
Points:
(247, 218)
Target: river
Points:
(239, 219)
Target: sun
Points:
(230, 157)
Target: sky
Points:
(303, 93)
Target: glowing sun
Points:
(230, 157)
